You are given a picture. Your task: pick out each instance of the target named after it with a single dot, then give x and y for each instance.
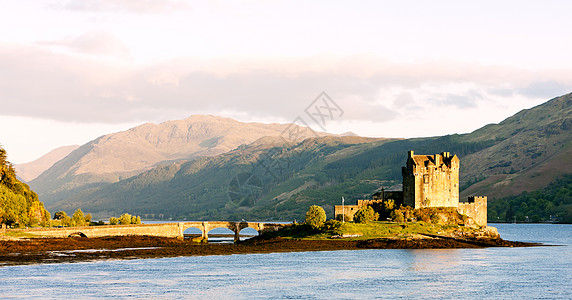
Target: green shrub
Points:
(125, 219)
(332, 225)
(365, 214)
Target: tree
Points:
(113, 221)
(19, 205)
(125, 219)
(365, 214)
(78, 218)
(59, 215)
(316, 216)
(66, 221)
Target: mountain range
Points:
(207, 167)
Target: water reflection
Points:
(220, 235)
(432, 260)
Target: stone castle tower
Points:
(431, 180)
(428, 181)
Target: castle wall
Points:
(361, 203)
(475, 208)
(396, 196)
(348, 210)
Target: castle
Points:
(428, 181)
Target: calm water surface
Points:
(499, 273)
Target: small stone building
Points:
(428, 181)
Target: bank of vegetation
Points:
(551, 204)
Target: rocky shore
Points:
(60, 250)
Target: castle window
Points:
(425, 178)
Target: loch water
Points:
(543, 272)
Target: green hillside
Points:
(18, 204)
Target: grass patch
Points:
(19, 234)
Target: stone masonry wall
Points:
(476, 208)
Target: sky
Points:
(71, 71)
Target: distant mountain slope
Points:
(31, 170)
(532, 149)
(116, 156)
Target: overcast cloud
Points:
(445, 67)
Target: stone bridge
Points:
(172, 230)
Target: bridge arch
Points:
(77, 234)
(193, 232)
(248, 231)
(221, 234)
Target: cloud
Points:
(37, 82)
(132, 6)
(93, 43)
(543, 89)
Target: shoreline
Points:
(62, 250)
